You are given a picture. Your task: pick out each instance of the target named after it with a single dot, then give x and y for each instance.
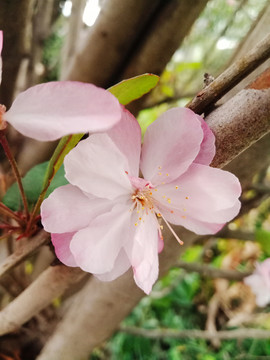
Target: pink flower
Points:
(259, 282)
(49, 111)
(106, 219)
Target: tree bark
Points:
(15, 21)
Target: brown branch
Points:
(239, 123)
(52, 283)
(30, 246)
(212, 272)
(196, 334)
(232, 76)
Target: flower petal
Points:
(208, 148)
(68, 209)
(121, 265)
(50, 111)
(61, 243)
(97, 247)
(126, 134)
(170, 145)
(259, 288)
(143, 252)
(177, 217)
(98, 167)
(203, 193)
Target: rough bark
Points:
(15, 21)
(110, 40)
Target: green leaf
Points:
(33, 184)
(263, 237)
(134, 88)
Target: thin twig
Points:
(4, 210)
(5, 145)
(196, 334)
(232, 76)
(212, 272)
(31, 245)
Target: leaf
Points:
(134, 88)
(33, 184)
(263, 237)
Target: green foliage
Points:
(134, 88)
(263, 237)
(33, 183)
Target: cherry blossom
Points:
(259, 283)
(49, 111)
(107, 219)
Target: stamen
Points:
(173, 232)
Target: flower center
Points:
(144, 202)
(143, 198)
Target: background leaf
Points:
(134, 88)
(33, 183)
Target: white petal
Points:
(97, 247)
(98, 167)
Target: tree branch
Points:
(232, 76)
(50, 284)
(212, 272)
(197, 334)
(29, 247)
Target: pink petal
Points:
(259, 288)
(121, 265)
(203, 193)
(68, 209)
(143, 252)
(97, 247)
(61, 243)
(98, 167)
(50, 111)
(126, 134)
(208, 148)
(198, 227)
(170, 145)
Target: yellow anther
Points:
(183, 217)
(151, 193)
(140, 218)
(136, 224)
(177, 187)
(159, 214)
(164, 197)
(163, 183)
(169, 200)
(159, 173)
(167, 174)
(187, 197)
(184, 209)
(161, 226)
(155, 189)
(142, 207)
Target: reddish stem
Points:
(5, 145)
